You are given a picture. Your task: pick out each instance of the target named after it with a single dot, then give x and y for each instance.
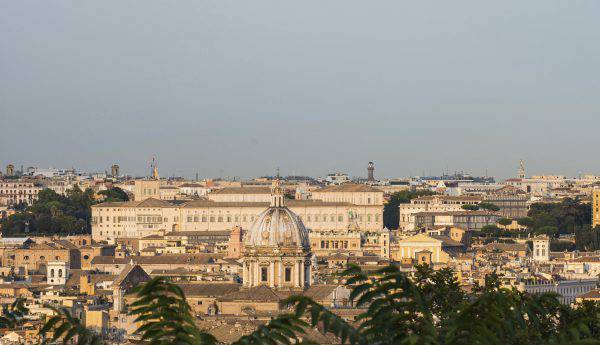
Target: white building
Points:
(541, 249)
(57, 272)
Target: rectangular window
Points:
(264, 275)
(288, 274)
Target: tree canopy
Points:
(391, 213)
(114, 194)
(566, 216)
(52, 214)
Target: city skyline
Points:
(192, 175)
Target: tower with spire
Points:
(277, 195)
(370, 172)
(521, 172)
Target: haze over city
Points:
(239, 88)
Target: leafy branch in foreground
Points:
(321, 316)
(285, 329)
(165, 315)
(12, 314)
(64, 325)
(429, 309)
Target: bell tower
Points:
(521, 172)
(370, 171)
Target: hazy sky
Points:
(237, 88)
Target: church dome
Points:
(277, 226)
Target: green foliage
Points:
(68, 328)
(441, 291)
(488, 206)
(491, 230)
(114, 194)
(561, 246)
(165, 316)
(428, 309)
(391, 213)
(12, 314)
(567, 216)
(470, 207)
(551, 231)
(505, 221)
(52, 214)
(526, 221)
(587, 239)
(285, 329)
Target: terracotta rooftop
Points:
(243, 190)
(258, 294)
(177, 259)
(348, 188)
(209, 289)
(210, 203)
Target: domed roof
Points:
(277, 226)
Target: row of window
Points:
(308, 218)
(154, 219)
(264, 274)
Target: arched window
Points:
(52, 273)
(60, 273)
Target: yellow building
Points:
(439, 249)
(324, 243)
(145, 189)
(596, 207)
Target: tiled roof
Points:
(587, 259)
(191, 185)
(593, 294)
(110, 260)
(456, 213)
(507, 247)
(348, 188)
(257, 294)
(210, 203)
(209, 289)
(450, 198)
(199, 233)
(150, 202)
(448, 241)
(320, 292)
(120, 279)
(243, 190)
(174, 259)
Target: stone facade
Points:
(596, 207)
(137, 219)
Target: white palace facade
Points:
(337, 208)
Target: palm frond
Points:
(285, 329)
(325, 319)
(12, 314)
(64, 326)
(165, 316)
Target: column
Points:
(302, 268)
(245, 273)
(299, 274)
(272, 274)
(279, 277)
